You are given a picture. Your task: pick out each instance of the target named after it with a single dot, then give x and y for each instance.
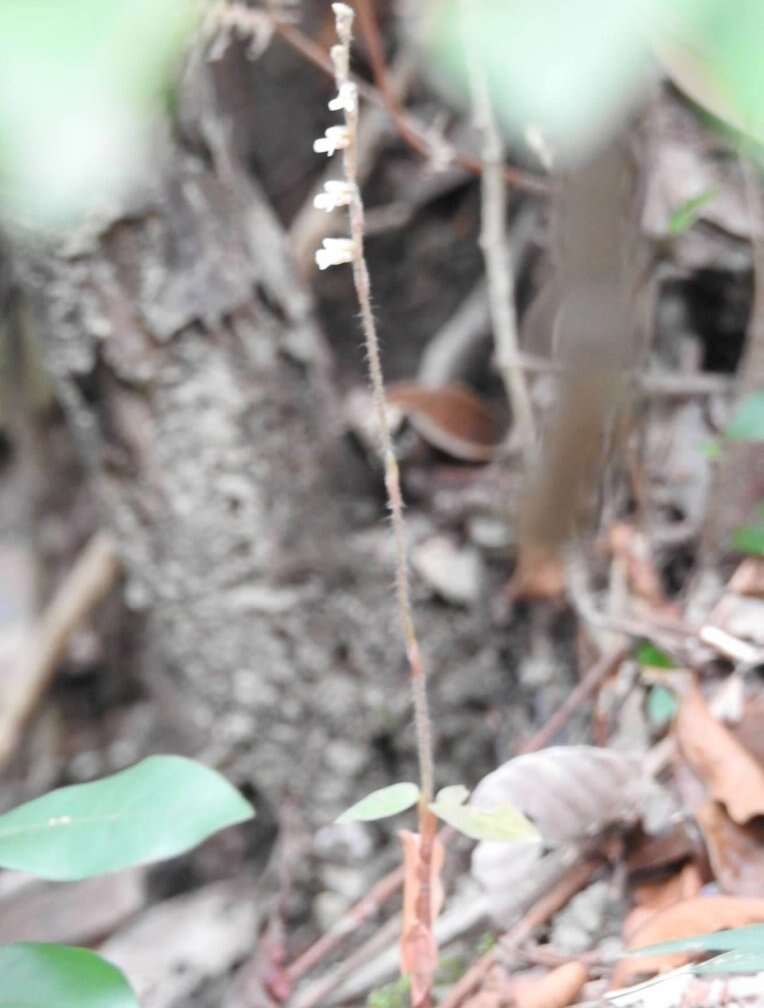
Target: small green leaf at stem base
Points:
(504, 823)
(387, 801)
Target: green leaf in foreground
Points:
(388, 801)
(502, 823)
(733, 962)
(58, 976)
(747, 423)
(156, 809)
(745, 939)
(685, 215)
(651, 656)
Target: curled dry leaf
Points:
(736, 852)
(558, 989)
(730, 773)
(419, 953)
(682, 920)
(451, 418)
(569, 793)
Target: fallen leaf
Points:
(730, 773)
(450, 418)
(690, 917)
(736, 852)
(569, 792)
(653, 897)
(682, 885)
(418, 949)
(558, 989)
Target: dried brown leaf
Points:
(682, 885)
(418, 950)
(451, 418)
(736, 852)
(570, 793)
(701, 915)
(558, 989)
(731, 775)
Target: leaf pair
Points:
(501, 823)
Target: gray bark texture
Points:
(196, 382)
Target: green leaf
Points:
(82, 79)
(648, 654)
(733, 962)
(502, 823)
(662, 706)
(685, 215)
(749, 539)
(156, 809)
(715, 59)
(387, 801)
(570, 69)
(747, 423)
(58, 976)
(745, 939)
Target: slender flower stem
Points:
(336, 251)
(340, 56)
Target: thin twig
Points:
(593, 679)
(89, 580)
(346, 925)
(498, 262)
(577, 876)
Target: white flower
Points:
(334, 139)
(347, 99)
(343, 16)
(340, 57)
(334, 252)
(336, 193)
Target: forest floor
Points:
(616, 685)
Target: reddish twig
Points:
(384, 94)
(577, 876)
(346, 925)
